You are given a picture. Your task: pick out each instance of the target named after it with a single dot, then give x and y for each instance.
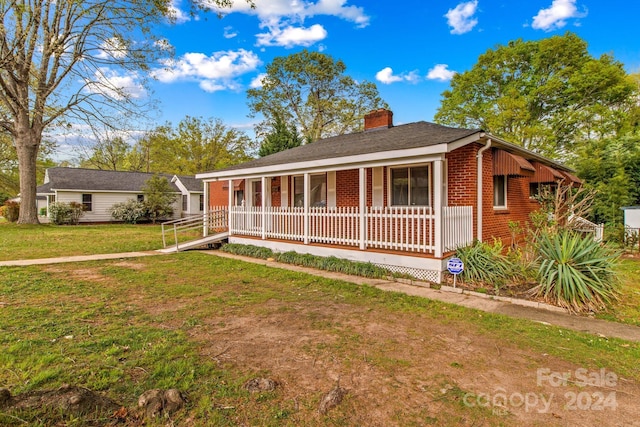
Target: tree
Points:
(61, 61)
(282, 137)
(310, 91)
(195, 145)
(158, 198)
(611, 166)
(109, 154)
(545, 94)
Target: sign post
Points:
(455, 267)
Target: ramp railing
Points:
(193, 227)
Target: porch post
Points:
(437, 208)
(307, 184)
(263, 204)
(363, 208)
(230, 207)
(205, 210)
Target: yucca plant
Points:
(485, 263)
(575, 271)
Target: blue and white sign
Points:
(455, 266)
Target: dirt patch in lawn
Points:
(406, 369)
(397, 369)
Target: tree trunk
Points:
(27, 149)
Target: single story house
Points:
(403, 197)
(99, 190)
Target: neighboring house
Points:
(99, 190)
(632, 217)
(404, 197)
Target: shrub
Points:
(11, 211)
(59, 212)
(65, 213)
(43, 211)
(130, 211)
(486, 263)
(364, 269)
(575, 272)
(76, 210)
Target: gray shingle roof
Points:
(412, 135)
(102, 180)
(191, 183)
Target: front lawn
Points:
(206, 325)
(47, 241)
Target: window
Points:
(500, 191)
(87, 204)
(410, 186)
(141, 198)
(201, 201)
(317, 192)
(184, 202)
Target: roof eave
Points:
(346, 162)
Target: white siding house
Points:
(99, 190)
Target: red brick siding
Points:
(218, 196)
(347, 188)
(461, 179)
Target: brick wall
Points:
(462, 165)
(218, 193)
(347, 188)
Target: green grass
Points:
(46, 241)
(627, 308)
(122, 330)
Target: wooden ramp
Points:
(193, 244)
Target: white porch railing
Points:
(406, 228)
(457, 224)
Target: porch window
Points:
(500, 191)
(317, 192)
(410, 186)
(201, 201)
(87, 202)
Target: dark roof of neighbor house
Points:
(378, 140)
(191, 183)
(411, 135)
(61, 178)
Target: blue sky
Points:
(409, 48)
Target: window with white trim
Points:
(410, 186)
(500, 191)
(317, 192)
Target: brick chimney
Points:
(378, 119)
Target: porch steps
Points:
(193, 244)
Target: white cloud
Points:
(284, 19)
(270, 11)
(177, 14)
(461, 19)
(215, 72)
(386, 76)
(292, 36)
(257, 81)
(555, 16)
(112, 48)
(229, 33)
(440, 72)
(109, 83)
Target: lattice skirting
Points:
(432, 276)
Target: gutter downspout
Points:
(479, 189)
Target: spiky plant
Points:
(575, 271)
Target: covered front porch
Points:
(395, 215)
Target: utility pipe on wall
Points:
(479, 188)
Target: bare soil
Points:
(401, 369)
